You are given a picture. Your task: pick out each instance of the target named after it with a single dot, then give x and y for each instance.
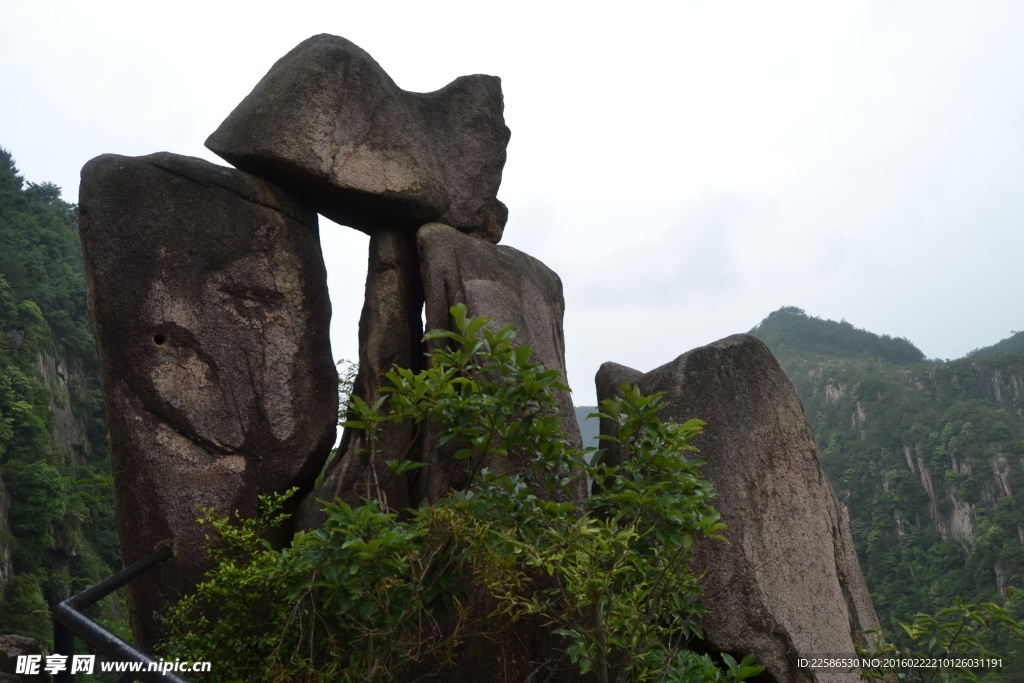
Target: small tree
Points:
(370, 596)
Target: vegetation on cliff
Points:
(927, 456)
(54, 462)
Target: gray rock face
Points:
(208, 297)
(329, 124)
(787, 585)
(507, 286)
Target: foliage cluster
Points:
(878, 423)
(60, 515)
(378, 596)
(965, 642)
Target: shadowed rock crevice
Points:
(390, 334)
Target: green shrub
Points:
(372, 596)
(965, 642)
(24, 610)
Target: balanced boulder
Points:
(787, 585)
(328, 123)
(208, 298)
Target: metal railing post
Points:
(69, 622)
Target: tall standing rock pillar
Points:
(787, 585)
(509, 287)
(208, 298)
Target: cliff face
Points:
(957, 470)
(927, 456)
(6, 538)
(69, 427)
(56, 508)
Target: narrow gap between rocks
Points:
(345, 251)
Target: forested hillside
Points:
(927, 456)
(56, 522)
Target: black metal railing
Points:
(69, 622)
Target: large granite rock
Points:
(507, 286)
(328, 123)
(390, 333)
(787, 585)
(208, 298)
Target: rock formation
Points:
(208, 298)
(328, 123)
(787, 585)
(494, 281)
(507, 286)
(209, 303)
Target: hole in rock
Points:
(159, 339)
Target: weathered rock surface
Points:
(328, 123)
(787, 585)
(507, 286)
(12, 647)
(390, 333)
(208, 297)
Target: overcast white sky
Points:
(686, 167)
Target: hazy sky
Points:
(685, 167)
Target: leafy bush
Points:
(24, 610)
(965, 642)
(375, 596)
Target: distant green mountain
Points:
(1015, 342)
(791, 332)
(927, 456)
(57, 530)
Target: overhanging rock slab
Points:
(328, 123)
